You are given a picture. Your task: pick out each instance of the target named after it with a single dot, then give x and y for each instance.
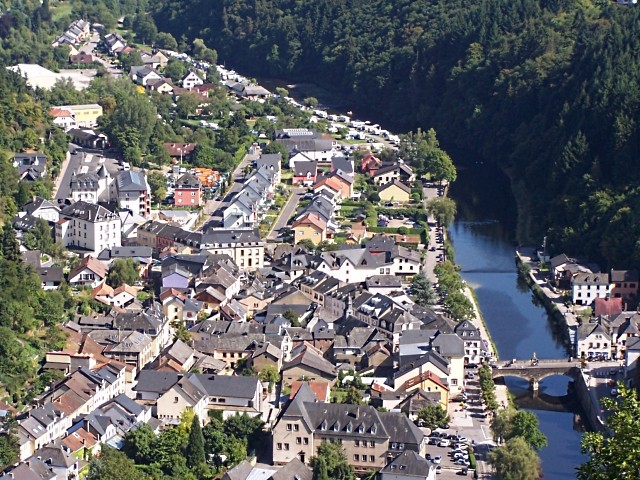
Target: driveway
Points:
(287, 211)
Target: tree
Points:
(40, 237)
(292, 316)
(614, 456)
(158, 185)
(246, 428)
(277, 147)
(145, 29)
(335, 459)
(443, 209)
(123, 270)
(139, 444)
(353, 397)
(434, 416)
(422, 289)
(175, 69)
(269, 374)
(311, 102)
(195, 446)
(509, 423)
(113, 465)
(9, 450)
(131, 59)
(186, 105)
(10, 245)
(459, 306)
(516, 460)
(320, 470)
(166, 40)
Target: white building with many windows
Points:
(88, 227)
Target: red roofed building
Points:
(180, 151)
(188, 191)
(321, 389)
(611, 307)
(370, 164)
(62, 117)
(310, 226)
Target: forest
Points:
(545, 89)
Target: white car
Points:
(444, 443)
(437, 459)
(438, 468)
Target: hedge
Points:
(410, 231)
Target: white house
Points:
(190, 80)
(41, 208)
(586, 287)
(88, 227)
(134, 193)
(90, 272)
(62, 117)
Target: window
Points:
(356, 457)
(279, 446)
(373, 459)
(356, 443)
(296, 427)
(299, 440)
(372, 443)
(175, 399)
(288, 427)
(286, 446)
(394, 446)
(305, 441)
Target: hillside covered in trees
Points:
(546, 89)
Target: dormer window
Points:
(324, 426)
(374, 429)
(348, 427)
(361, 429)
(336, 427)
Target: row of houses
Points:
(78, 31)
(247, 207)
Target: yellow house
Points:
(310, 226)
(395, 191)
(86, 116)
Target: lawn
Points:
(60, 10)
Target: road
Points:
(214, 208)
(90, 46)
(287, 211)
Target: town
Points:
(299, 291)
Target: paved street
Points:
(214, 208)
(287, 211)
(90, 46)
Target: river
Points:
(482, 236)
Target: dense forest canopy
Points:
(546, 89)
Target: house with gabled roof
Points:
(624, 284)
(307, 362)
(188, 191)
(89, 272)
(593, 341)
(394, 191)
(586, 287)
(304, 172)
(397, 171)
(143, 75)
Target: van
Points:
(126, 166)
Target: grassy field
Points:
(60, 10)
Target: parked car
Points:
(437, 459)
(461, 461)
(438, 468)
(444, 443)
(614, 392)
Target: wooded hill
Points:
(547, 89)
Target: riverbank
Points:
(561, 314)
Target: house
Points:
(188, 191)
(246, 470)
(190, 80)
(114, 43)
(312, 144)
(394, 191)
(50, 277)
(586, 287)
(593, 341)
(474, 348)
(88, 138)
(88, 227)
(367, 436)
(265, 355)
(178, 151)
(369, 164)
(408, 465)
(31, 166)
(85, 116)
(162, 86)
(179, 308)
(609, 307)
(154, 60)
(396, 171)
(134, 193)
(91, 187)
(342, 163)
(119, 297)
(272, 162)
(89, 272)
(307, 362)
(82, 58)
(310, 226)
(384, 284)
(63, 118)
(41, 208)
(144, 75)
(624, 284)
(244, 246)
(305, 173)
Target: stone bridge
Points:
(536, 371)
